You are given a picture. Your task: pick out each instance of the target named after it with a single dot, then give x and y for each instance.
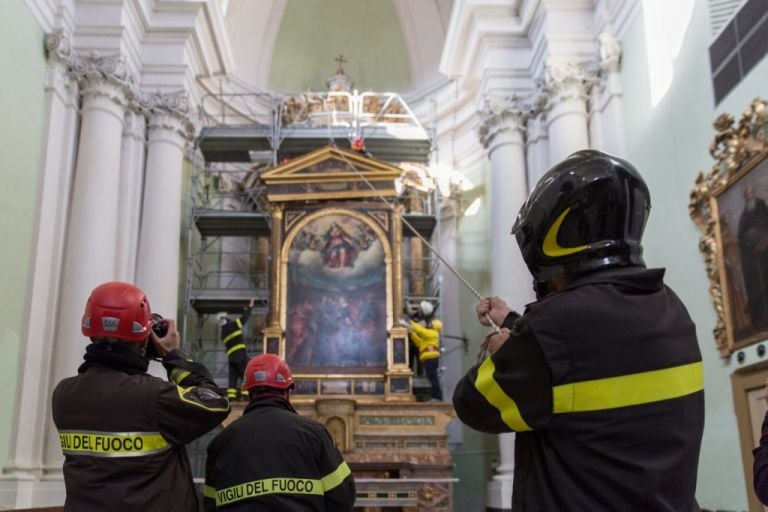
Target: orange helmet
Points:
(117, 310)
(267, 370)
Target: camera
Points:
(160, 328)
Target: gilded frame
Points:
(390, 261)
(740, 151)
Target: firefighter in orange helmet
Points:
(273, 459)
(122, 430)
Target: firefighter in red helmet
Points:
(122, 430)
(273, 459)
(601, 377)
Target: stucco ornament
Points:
(610, 52)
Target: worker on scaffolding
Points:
(424, 331)
(237, 355)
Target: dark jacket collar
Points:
(269, 400)
(640, 278)
(102, 354)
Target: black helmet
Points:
(586, 213)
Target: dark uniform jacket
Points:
(232, 335)
(123, 431)
(604, 385)
(271, 459)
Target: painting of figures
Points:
(743, 224)
(336, 297)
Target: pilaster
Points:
(606, 126)
(134, 154)
(93, 226)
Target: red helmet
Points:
(267, 370)
(358, 144)
(117, 310)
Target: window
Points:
(742, 43)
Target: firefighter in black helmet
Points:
(601, 377)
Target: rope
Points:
(455, 272)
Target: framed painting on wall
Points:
(730, 205)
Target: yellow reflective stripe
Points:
(334, 479)
(236, 348)
(112, 444)
(239, 323)
(185, 391)
(209, 492)
(177, 375)
(232, 336)
(490, 389)
(550, 246)
(627, 390)
(268, 486)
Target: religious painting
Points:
(336, 297)
(730, 206)
(742, 209)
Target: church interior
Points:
(330, 166)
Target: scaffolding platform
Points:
(212, 300)
(392, 143)
(210, 223)
(423, 224)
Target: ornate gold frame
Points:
(737, 149)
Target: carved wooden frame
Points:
(737, 150)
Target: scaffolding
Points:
(228, 253)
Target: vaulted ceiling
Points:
(290, 45)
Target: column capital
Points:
(169, 111)
(104, 81)
(610, 52)
(58, 46)
(567, 80)
(501, 115)
(57, 77)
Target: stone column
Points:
(606, 127)
(20, 484)
(157, 269)
(568, 84)
(93, 230)
(502, 134)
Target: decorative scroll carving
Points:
(171, 111)
(58, 77)
(568, 80)
(610, 52)
(104, 75)
(734, 148)
(58, 46)
(501, 114)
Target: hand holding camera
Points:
(164, 337)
